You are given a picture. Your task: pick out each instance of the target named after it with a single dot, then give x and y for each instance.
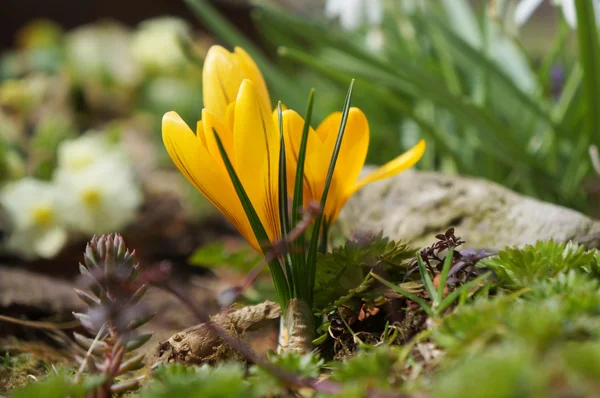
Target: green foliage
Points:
(542, 340)
(178, 380)
(367, 367)
(435, 307)
(219, 254)
(321, 224)
(341, 273)
(229, 380)
(520, 267)
(574, 289)
(515, 370)
(465, 83)
(57, 385)
(265, 384)
(306, 365)
(504, 372)
(589, 52)
(551, 311)
(10, 361)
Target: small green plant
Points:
(227, 380)
(519, 267)
(455, 263)
(344, 269)
(58, 385)
(303, 365)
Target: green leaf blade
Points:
(314, 242)
(445, 271)
(427, 308)
(283, 203)
(279, 278)
(427, 282)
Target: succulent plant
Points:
(111, 290)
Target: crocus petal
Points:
(401, 163)
(355, 144)
(221, 77)
(293, 125)
(256, 142)
(329, 125)
(251, 72)
(230, 116)
(210, 124)
(198, 166)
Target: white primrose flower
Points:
(355, 13)
(37, 229)
(101, 199)
(75, 156)
(156, 46)
(526, 8)
(100, 191)
(100, 51)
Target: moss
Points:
(19, 371)
(23, 363)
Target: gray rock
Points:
(415, 206)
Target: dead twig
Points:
(41, 325)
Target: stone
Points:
(414, 206)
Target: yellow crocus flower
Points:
(222, 76)
(237, 106)
(350, 162)
(233, 86)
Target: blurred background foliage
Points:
(496, 96)
(514, 107)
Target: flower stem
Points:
(297, 328)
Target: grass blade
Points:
(283, 198)
(301, 278)
(325, 229)
(589, 55)
(447, 143)
(480, 59)
(279, 279)
(316, 232)
(445, 303)
(444, 274)
(406, 294)
(427, 282)
(496, 139)
(298, 199)
(406, 78)
(283, 202)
